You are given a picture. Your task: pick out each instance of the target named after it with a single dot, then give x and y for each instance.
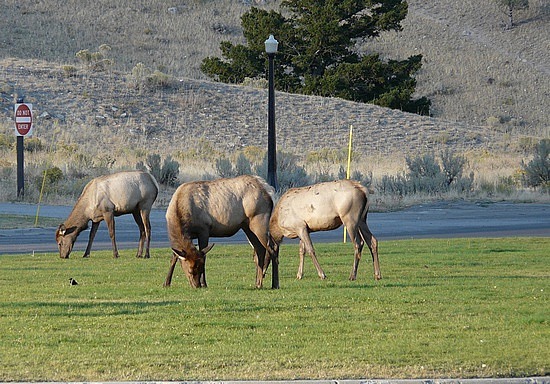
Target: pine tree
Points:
(318, 55)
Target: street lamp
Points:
(271, 46)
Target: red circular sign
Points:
(23, 119)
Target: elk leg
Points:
(275, 273)
(258, 234)
(147, 222)
(306, 240)
(300, 273)
(173, 262)
(93, 231)
(358, 244)
(110, 220)
(372, 243)
(202, 275)
(203, 244)
(139, 222)
(272, 253)
(259, 255)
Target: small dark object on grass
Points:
(73, 281)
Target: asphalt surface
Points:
(434, 220)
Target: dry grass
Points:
(475, 69)
(100, 119)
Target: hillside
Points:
(105, 109)
(475, 70)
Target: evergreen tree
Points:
(318, 55)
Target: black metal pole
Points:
(20, 169)
(271, 140)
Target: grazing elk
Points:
(323, 207)
(105, 197)
(219, 208)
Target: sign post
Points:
(349, 164)
(23, 127)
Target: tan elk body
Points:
(104, 198)
(218, 208)
(324, 207)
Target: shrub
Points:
(289, 173)
(153, 164)
(96, 61)
(224, 168)
(139, 75)
(144, 78)
(169, 172)
(33, 144)
(537, 171)
(254, 154)
(242, 165)
(427, 176)
(452, 166)
(49, 180)
(366, 180)
(53, 175)
(394, 185)
(158, 80)
(6, 141)
(255, 82)
(69, 70)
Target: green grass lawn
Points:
(25, 221)
(444, 308)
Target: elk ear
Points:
(180, 254)
(204, 251)
(61, 230)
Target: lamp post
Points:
(271, 46)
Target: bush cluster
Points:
(537, 171)
(143, 78)
(96, 61)
(428, 176)
(290, 174)
(166, 173)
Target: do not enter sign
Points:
(23, 119)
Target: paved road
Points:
(434, 220)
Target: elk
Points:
(323, 207)
(219, 208)
(105, 197)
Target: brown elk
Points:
(324, 207)
(219, 208)
(105, 197)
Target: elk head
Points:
(192, 262)
(65, 238)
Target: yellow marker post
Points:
(40, 199)
(349, 164)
